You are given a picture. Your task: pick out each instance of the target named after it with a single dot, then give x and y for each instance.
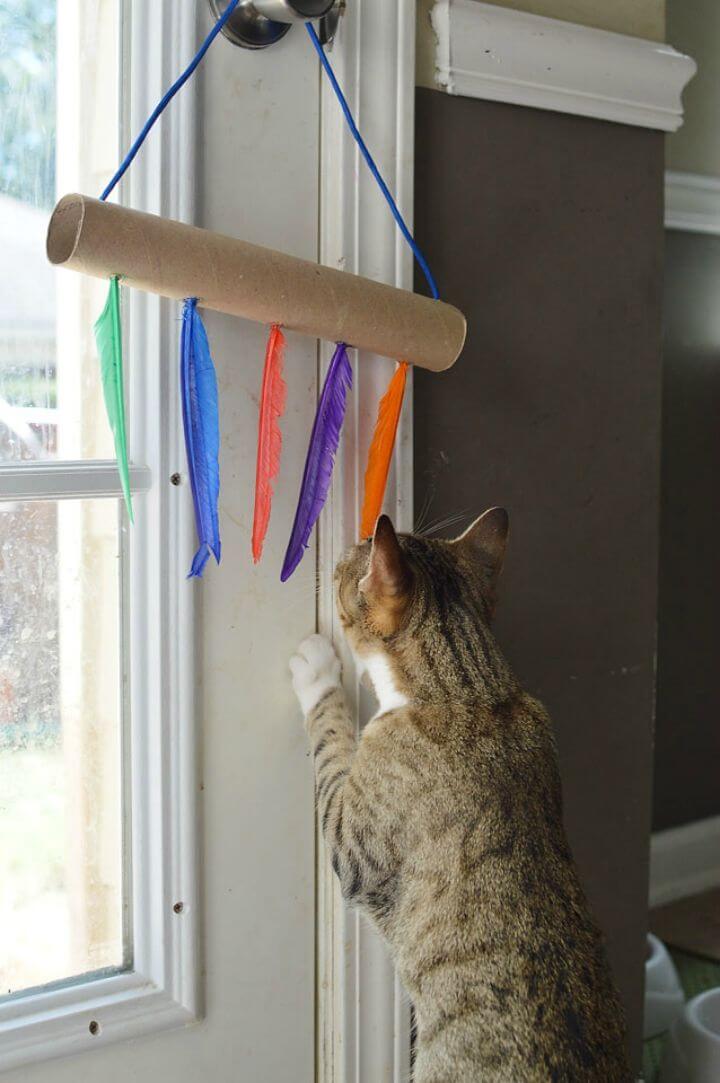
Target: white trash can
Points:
(692, 1052)
(664, 997)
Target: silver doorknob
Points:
(255, 24)
(293, 11)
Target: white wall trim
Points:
(692, 203)
(500, 54)
(684, 860)
(363, 1017)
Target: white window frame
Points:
(162, 988)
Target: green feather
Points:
(108, 336)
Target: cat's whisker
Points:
(425, 510)
(443, 523)
(428, 499)
(428, 525)
(442, 527)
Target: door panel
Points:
(258, 133)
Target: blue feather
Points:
(202, 432)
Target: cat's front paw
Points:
(315, 671)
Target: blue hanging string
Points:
(422, 262)
(190, 71)
(168, 97)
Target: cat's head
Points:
(394, 586)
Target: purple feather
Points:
(320, 457)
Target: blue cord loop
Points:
(168, 97)
(192, 68)
(422, 262)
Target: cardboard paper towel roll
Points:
(179, 261)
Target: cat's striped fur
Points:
(445, 821)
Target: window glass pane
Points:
(59, 78)
(61, 820)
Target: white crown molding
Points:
(684, 861)
(692, 203)
(484, 51)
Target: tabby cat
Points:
(445, 820)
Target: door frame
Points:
(363, 1015)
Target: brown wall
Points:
(547, 230)
(687, 742)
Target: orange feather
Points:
(272, 407)
(381, 450)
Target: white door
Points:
(227, 952)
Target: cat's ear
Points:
(387, 585)
(485, 541)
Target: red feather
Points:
(381, 450)
(272, 407)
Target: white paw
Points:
(315, 671)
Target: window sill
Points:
(58, 1023)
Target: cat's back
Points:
(492, 919)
